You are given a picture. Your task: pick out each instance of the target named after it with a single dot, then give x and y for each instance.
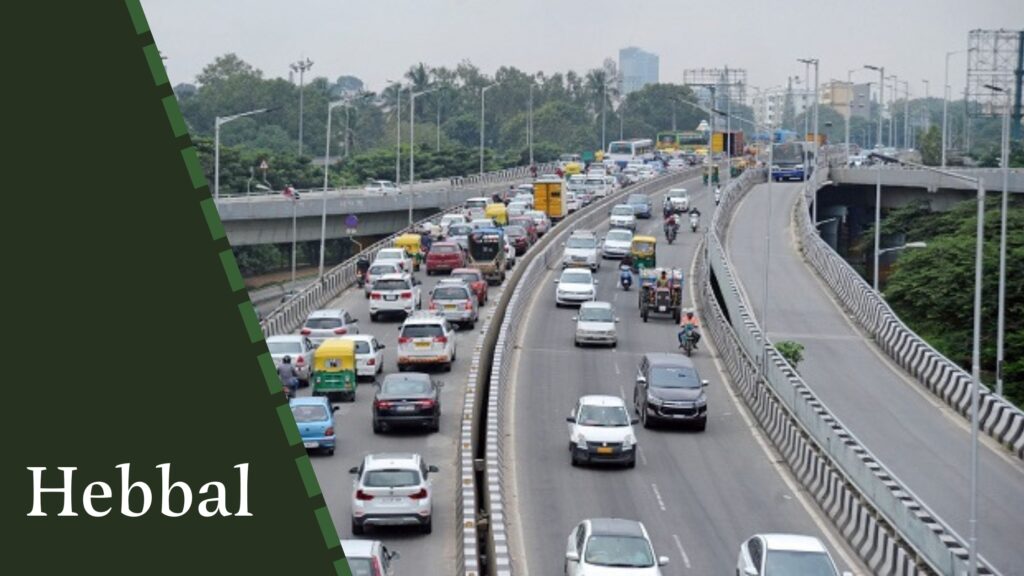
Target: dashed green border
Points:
(246, 311)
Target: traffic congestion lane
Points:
(700, 494)
(356, 439)
(923, 443)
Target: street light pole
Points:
(483, 94)
(529, 125)
(945, 105)
(1005, 160)
(927, 110)
(301, 66)
(807, 80)
(327, 165)
(604, 87)
(881, 101)
(892, 105)
(217, 123)
(412, 144)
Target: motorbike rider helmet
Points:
(287, 360)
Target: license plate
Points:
(662, 308)
(311, 444)
(405, 409)
(391, 500)
(449, 306)
(390, 297)
(604, 450)
(423, 344)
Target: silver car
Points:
(329, 323)
(595, 324)
(454, 299)
(392, 490)
(298, 348)
(369, 557)
(616, 243)
(378, 269)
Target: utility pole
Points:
(301, 66)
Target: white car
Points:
(369, 355)
(478, 223)
(378, 269)
(475, 213)
(646, 172)
(785, 554)
(397, 255)
(479, 202)
(426, 338)
(329, 323)
(575, 286)
(630, 175)
(392, 490)
(369, 557)
(581, 250)
(679, 199)
(394, 293)
(616, 243)
(676, 164)
(601, 430)
(595, 324)
(542, 220)
(525, 198)
(597, 186)
(622, 216)
(299, 348)
(459, 233)
(382, 187)
(572, 203)
(517, 208)
(611, 547)
(448, 219)
(510, 253)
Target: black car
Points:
(669, 389)
(641, 204)
(407, 399)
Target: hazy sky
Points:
(377, 40)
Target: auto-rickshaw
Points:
(498, 213)
(413, 244)
(713, 170)
(334, 369)
(643, 251)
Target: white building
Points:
(769, 105)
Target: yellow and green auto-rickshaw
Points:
(334, 369)
(413, 245)
(497, 212)
(643, 251)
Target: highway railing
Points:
(888, 527)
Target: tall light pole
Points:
(438, 147)
(301, 66)
(945, 105)
(529, 123)
(808, 62)
(483, 96)
(327, 164)
(412, 143)
(881, 102)
(892, 105)
(927, 110)
(906, 113)
(604, 87)
(398, 131)
(217, 123)
(849, 113)
(1005, 160)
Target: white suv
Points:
(601, 430)
(392, 490)
(394, 293)
(426, 338)
(396, 255)
(581, 250)
(575, 287)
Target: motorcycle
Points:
(625, 278)
(670, 232)
(694, 222)
(687, 341)
(718, 196)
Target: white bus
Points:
(623, 152)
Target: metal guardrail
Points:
(891, 529)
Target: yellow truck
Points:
(548, 197)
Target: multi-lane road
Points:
(913, 433)
(700, 494)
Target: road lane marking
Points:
(682, 551)
(617, 371)
(657, 496)
(640, 453)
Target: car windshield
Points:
(443, 249)
(391, 478)
(595, 181)
(581, 242)
(390, 255)
(450, 293)
(674, 377)
(405, 386)
(303, 413)
(515, 231)
(285, 347)
(622, 211)
(603, 416)
(422, 331)
(323, 323)
(381, 285)
(359, 566)
(460, 230)
(618, 236)
(642, 246)
(624, 551)
(382, 269)
(788, 562)
(596, 314)
(575, 278)
(637, 199)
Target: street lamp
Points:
(904, 247)
(483, 94)
(217, 123)
(529, 123)
(301, 66)
(881, 93)
(1005, 159)
(945, 105)
(412, 143)
(398, 131)
(976, 344)
(808, 62)
(892, 104)
(327, 164)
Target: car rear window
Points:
(581, 242)
(285, 347)
(362, 347)
(405, 387)
(467, 276)
(422, 330)
(391, 285)
(460, 230)
(359, 566)
(450, 293)
(444, 249)
(515, 231)
(323, 323)
(391, 478)
(381, 269)
(304, 413)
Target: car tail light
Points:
(360, 495)
(300, 360)
(374, 295)
(406, 295)
(329, 431)
(404, 339)
(341, 330)
(371, 362)
(425, 403)
(376, 568)
(441, 339)
(419, 495)
(469, 305)
(305, 331)
(383, 404)
(433, 306)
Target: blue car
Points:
(314, 416)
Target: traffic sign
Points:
(264, 166)
(351, 221)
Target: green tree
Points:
(931, 147)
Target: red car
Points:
(528, 223)
(445, 256)
(519, 237)
(476, 281)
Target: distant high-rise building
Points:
(860, 106)
(637, 68)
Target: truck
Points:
(820, 139)
(548, 198)
(487, 253)
(727, 141)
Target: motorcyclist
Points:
(663, 280)
(718, 194)
(694, 217)
(671, 223)
(689, 324)
(362, 267)
(625, 277)
(289, 376)
(627, 261)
